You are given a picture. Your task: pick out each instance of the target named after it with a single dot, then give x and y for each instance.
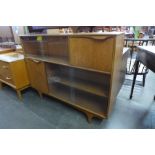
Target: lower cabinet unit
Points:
(13, 72)
(87, 75)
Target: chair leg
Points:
(134, 79)
(144, 77)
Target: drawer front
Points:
(5, 68)
(5, 72)
(7, 79)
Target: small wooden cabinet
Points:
(85, 71)
(13, 72)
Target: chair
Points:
(143, 70)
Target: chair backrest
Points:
(84, 29)
(131, 60)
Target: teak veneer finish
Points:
(89, 52)
(13, 72)
(84, 70)
(37, 75)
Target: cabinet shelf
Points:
(54, 60)
(61, 61)
(86, 86)
(95, 105)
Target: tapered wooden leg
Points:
(40, 94)
(1, 86)
(19, 94)
(89, 117)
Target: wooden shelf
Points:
(54, 60)
(61, 61)
(90, 87)
(94, 105)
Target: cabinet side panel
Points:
(118, 71)
(19, 74)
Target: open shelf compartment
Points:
(55, 47)
(90, 103)
(96, 84)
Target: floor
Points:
(48, 113)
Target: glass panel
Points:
(78, 87)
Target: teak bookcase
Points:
(82, 70)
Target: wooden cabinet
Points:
(13, 72)
(37, 75)
(5, 72)
(84, 70)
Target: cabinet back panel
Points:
(73, 73)
(82, 80)
(32, 45)
(58, 46)
(81, 99)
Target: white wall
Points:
(17, 30)
(5, 32)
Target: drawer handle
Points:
(8, 78)
(5, 67)
(36, 61)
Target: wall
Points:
(6, 32)
(17, 30)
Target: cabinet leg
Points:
(89, 117)
(1, 85)
(19, 94)
(40, 94)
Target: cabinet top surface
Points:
(76, 34)
(11, 57)
(5, 49)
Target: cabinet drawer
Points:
(5, 72)
(7, 79)
(5, 69)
